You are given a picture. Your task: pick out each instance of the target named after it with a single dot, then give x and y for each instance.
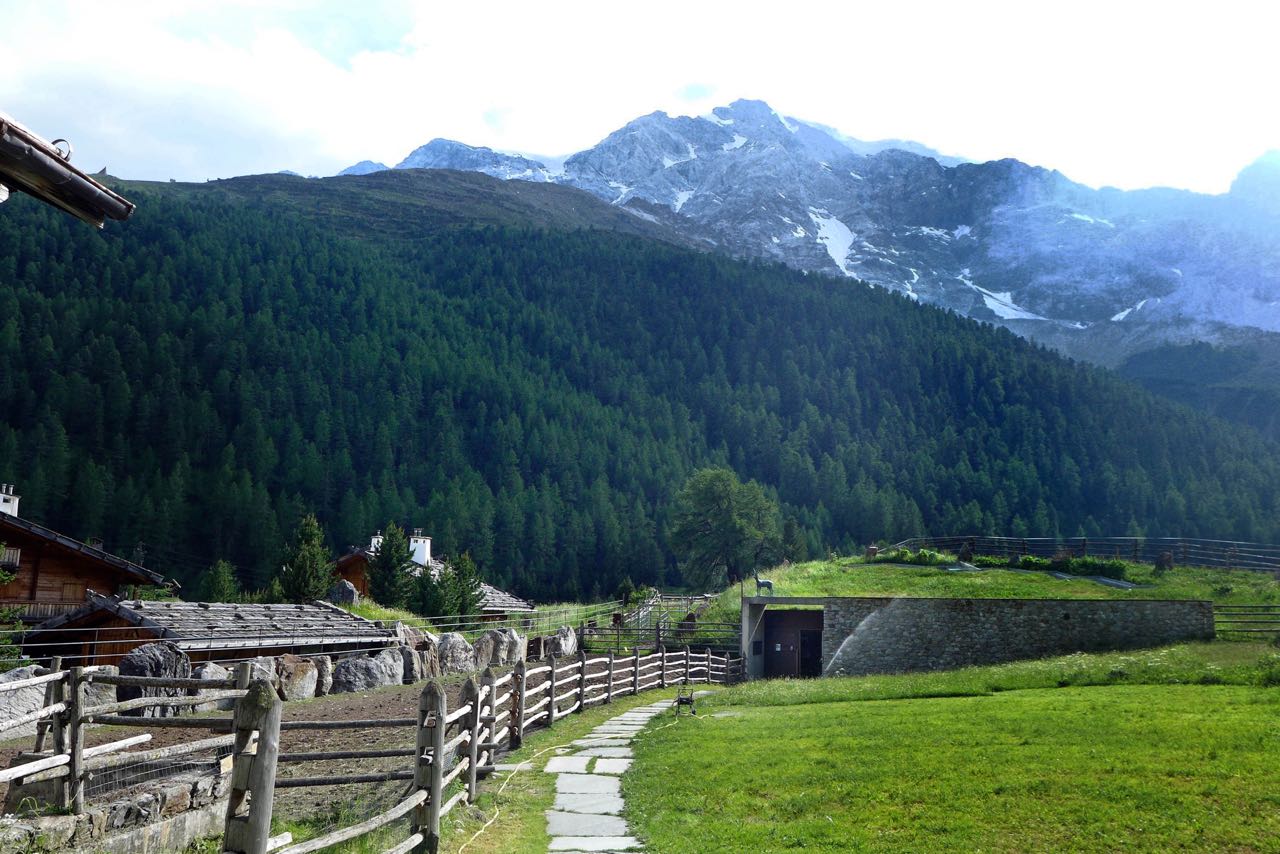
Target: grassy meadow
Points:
(1178, 751)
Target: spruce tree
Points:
(219, 584)
(308, 572)
(461, 582)
(390, 582)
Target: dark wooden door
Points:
(810, 653)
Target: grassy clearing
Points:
(1007, 767)
(856, 577)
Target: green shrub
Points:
(1033, 562)
(1097, 566)
(993, 562)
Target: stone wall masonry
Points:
(897, 635)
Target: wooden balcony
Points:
(38, 612)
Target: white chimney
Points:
(9, 501)
(375, 543)
(420, 548)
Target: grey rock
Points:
(563, 643)
(517, 646)
(490, 648)
(161, 659)
(456, 654)
(343, 592)
(363, 672)
(23, 700)
(210, 670)
(324, 674)
(412, 665)
(297, 676)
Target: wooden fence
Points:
(1184, 551)
(454, 749)
(1247, 621)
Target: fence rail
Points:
(1249, 620)
(454, 749)
(1184, 551)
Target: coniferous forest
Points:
(199, 378)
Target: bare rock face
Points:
(297, 676)
(343, 592)
(162, 659)
(363, 672)
(456, 654)
(563, 643)
(324, 674)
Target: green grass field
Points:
(978, 760)
(855, 577)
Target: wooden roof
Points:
(139, 573)
(217, 626)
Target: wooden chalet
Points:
(53, 572)
(495, 604)
(105, 628)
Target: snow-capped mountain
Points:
(364, 167)
(447, 154)
(999, 241)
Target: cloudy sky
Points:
(1130, 94)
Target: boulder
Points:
(22, 701)
(429, 654)
(517, 646)
(456, 654)
(489, 649)
(262, 667)
(343, 592)
(98, 694)
(412, 665)
(324, 674)
(362, 672)
(562, 644)
(210, 671)
(162, 659)
(298, 678)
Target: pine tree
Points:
(219, 584)
(308, 572)
(390, 582)
(461, 582)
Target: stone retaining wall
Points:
(894, 635)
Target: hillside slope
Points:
(241, 351)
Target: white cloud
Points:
(1131, 94)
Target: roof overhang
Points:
(127, 567)
(36, 167)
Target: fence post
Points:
(471, 694)
(708, 665)
(635, 673)
(517, 707)
(253, 770)
(608, 694)
(244, 670)
(52, 694)
(686, 664)
(428, 768)
(486, 681)
(582, 678)
(75, 741)
(551, 692)
(662, 670)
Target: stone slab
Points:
(584, 824)
(602, 742)
(611, 752)
(594, 843)
(571, 764)
(588, 784)
(596, 804)
(611, 766)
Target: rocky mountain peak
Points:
(1259, 182)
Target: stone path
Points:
(587, 816)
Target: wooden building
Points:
(105, 628)
(53, 572)
(495, 604)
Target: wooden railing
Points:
(454, 749)
(1246, 620)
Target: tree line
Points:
(201, 378)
